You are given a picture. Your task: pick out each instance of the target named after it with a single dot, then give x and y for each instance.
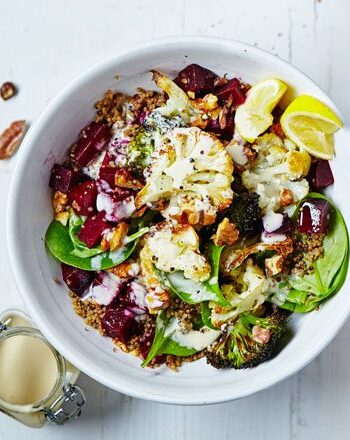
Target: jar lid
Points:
(37, 384)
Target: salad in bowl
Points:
(190, 222)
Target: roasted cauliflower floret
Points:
(279, 166)
(190, 177)
(169, 248)
(178, 103)
(248, 291)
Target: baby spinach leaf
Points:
(172, 347)
(162, 343)
(80, 248)
(329, 271)
(164, 339)
(59, 243)
(194, 292)
(206, 315)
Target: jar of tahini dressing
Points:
(36, 382)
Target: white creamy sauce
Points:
(96, 262)
(134, 270)
(116, 255)
(115, 211)
(28, 370)
(272, 221)
(197, 290)
(197, 339)
(105, 292)
(138, 296)
(272, 238)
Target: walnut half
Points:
(226, 233)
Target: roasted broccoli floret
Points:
(140, 150)
(248, 341)
(245, 213)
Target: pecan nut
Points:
(11, 138)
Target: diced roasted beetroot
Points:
(134, 298)
(320, 175)
(120, 324)
(116, 303)
(231, 92)
(91, 141)
(195, 78)
(83, 198)
(314, 215)
(108, 175)
(106, 288)
(225, 133)
(146, 344)
(286, 227)
(77, 280)
(91, 231)
(61, 178)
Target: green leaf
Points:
(174, 348)
(164, 342)
(159, 338)
(307, 291)
(206, 315)
(194, 292)
(60, 245)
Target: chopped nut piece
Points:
(261, 335)
(114, 239)
(157, 299)
(249, 153)
(123, 270)
(118, 236)
(125, 179)
(227, 233)
(286, 197)
(62, 217)
(7, 90)
(11, 138)
(59, 201)
(223, 117)
(273, 265)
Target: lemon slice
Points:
(310, 124)
(254, 116)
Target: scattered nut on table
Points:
(11, 138)
(8, 90)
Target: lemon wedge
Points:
(310, 124)
(254, 116)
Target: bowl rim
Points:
(14, 247)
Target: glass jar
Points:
(36, 383)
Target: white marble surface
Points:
(45, 43)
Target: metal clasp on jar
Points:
(66, 407)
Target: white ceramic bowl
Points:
(29, 213)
